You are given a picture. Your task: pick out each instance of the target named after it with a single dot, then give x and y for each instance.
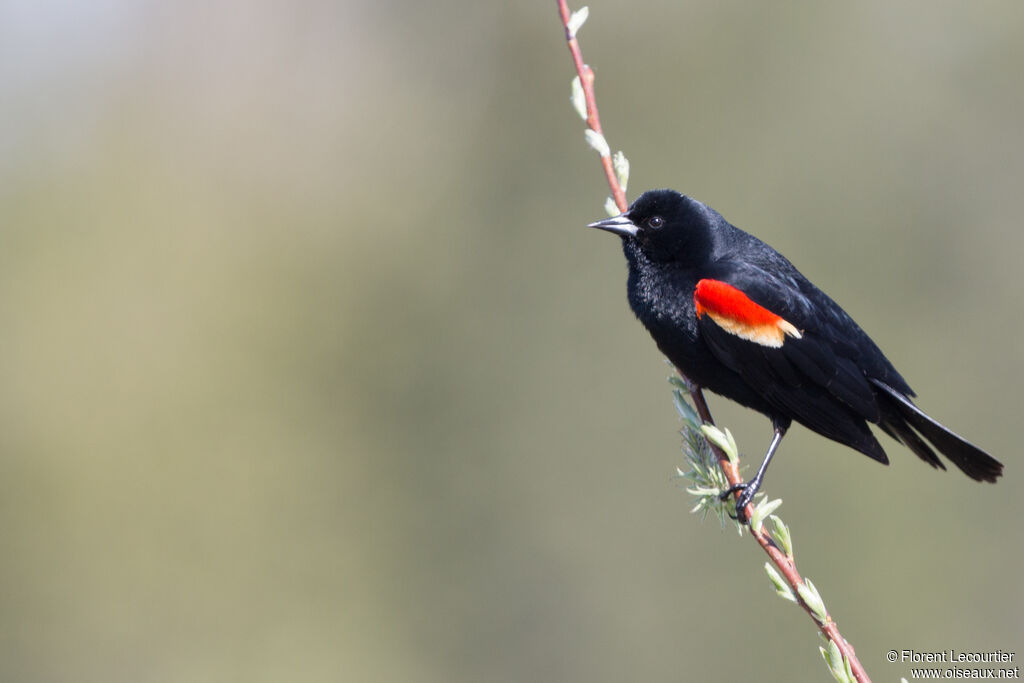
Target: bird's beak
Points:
(620, 225)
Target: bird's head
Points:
(665, 226)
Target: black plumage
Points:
(740, 320)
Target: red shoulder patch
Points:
(737, 314)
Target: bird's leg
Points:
(750, 488)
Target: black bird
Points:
(736, 317)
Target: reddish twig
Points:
(785, 564)
(593, 120)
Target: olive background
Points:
(310, 371)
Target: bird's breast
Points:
(666, 308)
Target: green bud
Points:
(762, 510)
(781, 587)
(579, 100)
(621, 165)
(717, 437)
(576, 20)
(610, 207)
(809, 594)
(600, 145)
(781, 536)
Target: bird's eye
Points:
(655, 222)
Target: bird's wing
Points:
(787, 346)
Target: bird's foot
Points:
(743, 500)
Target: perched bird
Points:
(737, 318)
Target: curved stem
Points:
(785, 564)
(586, 75)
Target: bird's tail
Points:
(974, 462)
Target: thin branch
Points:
(784, 563)
(586, 75)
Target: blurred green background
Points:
(310, 371)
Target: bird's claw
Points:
(724, 495)
(742, 501)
